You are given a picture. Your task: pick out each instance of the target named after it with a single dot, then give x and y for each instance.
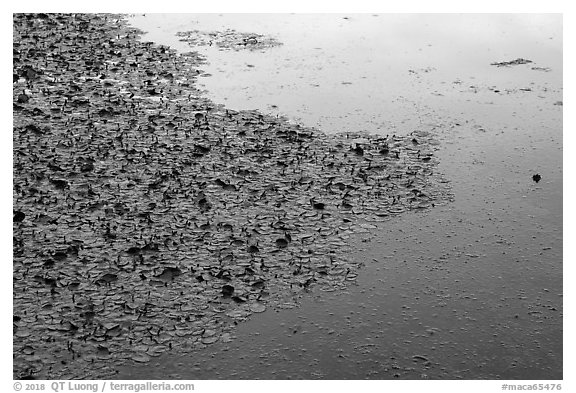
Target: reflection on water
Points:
(471, 290)
(365, 72)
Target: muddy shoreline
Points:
(146, 217)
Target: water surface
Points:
(365, 72)
(469, 290)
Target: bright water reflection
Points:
(361, 71)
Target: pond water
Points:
(469, 290)
(365, 72)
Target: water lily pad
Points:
(103, 351)
(168, 274)
(258, 307)
(19, 216)
(210, 340)
(281, 243)
(107, 278)
(252, 249)
(141, 358)
(227, 290)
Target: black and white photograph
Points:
(220, 196)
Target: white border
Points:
(240, 6)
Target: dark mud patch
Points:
(228, 39)
(147, 217)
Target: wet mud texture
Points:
(146, 217)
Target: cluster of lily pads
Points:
(228, 39)
(147, 218)
(518, 61)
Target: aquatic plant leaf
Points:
(18, 216)
(258, 307)
(169, 273)
(252, 249)
(141, 358)
(107, 278)
(281, 243)
(227, 290)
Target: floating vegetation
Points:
(147, 217)
(543, 69)
(512, 63)
(228, 39)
